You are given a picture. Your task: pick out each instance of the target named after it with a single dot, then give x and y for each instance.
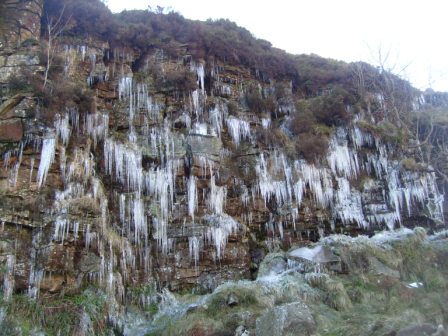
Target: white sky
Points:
(413, 32)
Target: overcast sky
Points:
(412, 32)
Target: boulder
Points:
(292, 319)
(272, 264)
(317, 256)
(232, 300)
(376, 267)
(424, 329)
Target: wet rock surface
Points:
(117, 182)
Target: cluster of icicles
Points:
(146, 197)
(287, 183)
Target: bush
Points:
(256, 103)
(311, 137)
(62, 94)
(312, 146)
(331, 110)
(181, 81)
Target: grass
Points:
(60, 316)
(218, 302)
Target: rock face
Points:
(123, 179)
(287, 320)
(178, 184)
(20, 21)
(11, 130)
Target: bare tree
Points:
(54, 30)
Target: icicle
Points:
(62, 161)
(8, 277)
(318, 180)
(127, 162)
(348, 207)
(343, 160)
(200, 71)
(266, 123)
(97, 126)
(198, 99)
(62, 126)
(192, 196)
(204, 163)
(80, 168)
(138, 218)
(199, 128)
(31, 169)
(46, 159)
(268, 187)
(14, 173)
(244, 195)
(238, 129)
(36, 273)
(91, 77)
(222, 226)
(216, 117)
(83, 50)
(360, 138)
(194, 248)
(124, 87)
(61, 229)
(217, 198)
(294, 216)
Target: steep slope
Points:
(166, 153)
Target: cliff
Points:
(152, 152)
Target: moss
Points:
(153, 308)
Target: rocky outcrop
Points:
(181, 186)
(139, 172)
(19, 22)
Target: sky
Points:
(410, 35)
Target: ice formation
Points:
(46, 159)
(194, 246)
(97, 126)
(266, 123)
(8, 277)
(217, 197)
(158, 182)
(62, 127)
(238, 129)
(192, 196)
(221, 227)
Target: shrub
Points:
(61, 94)
(311, 146)
(181, 81)
(331, 110)
(311, 137)
(257, 103)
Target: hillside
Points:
(143, 153)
